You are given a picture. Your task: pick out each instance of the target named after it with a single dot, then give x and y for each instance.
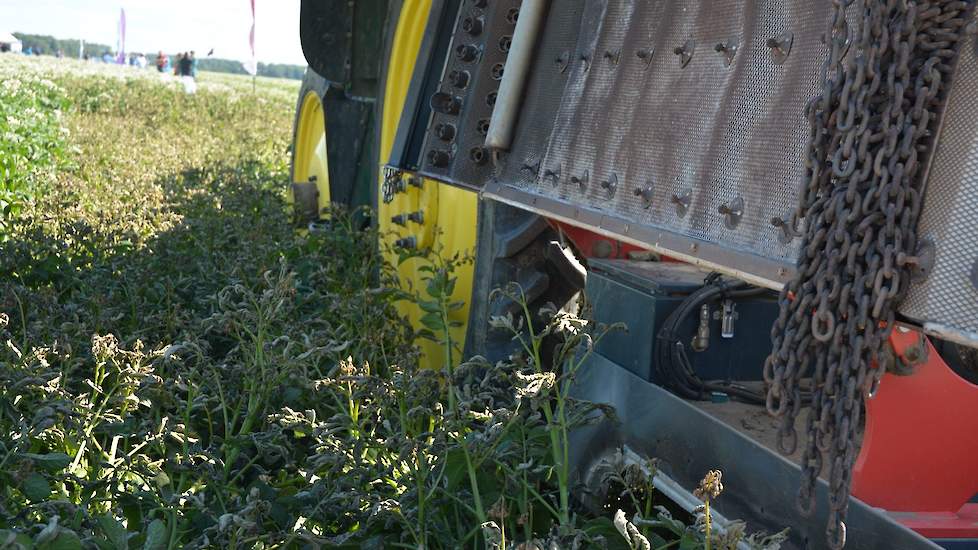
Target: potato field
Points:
(180, 367)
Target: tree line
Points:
(49, 45)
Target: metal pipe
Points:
(510, 95)
(678, 494)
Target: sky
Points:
(170, 25)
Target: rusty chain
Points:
(871, 129)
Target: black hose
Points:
(672, 365)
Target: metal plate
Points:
(454, 149)
(682, 127)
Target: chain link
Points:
(871, 126)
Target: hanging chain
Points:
(871, 128)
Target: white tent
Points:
(9, 42)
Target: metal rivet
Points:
(732, 212)
(613, 56)
(781, 47)
(416, 217)
(438, 158)
(562, 61)
(531, 168)
(694, 247)
(586, 59)
(446, 104)
(505, 43)
(513, 15)
(728, 51)
(681, 201)
(610, 185)
(787, 232)
(646, 55)
(444, 131)
(473, 25)
(459, 79)
(581, 181)
(478, 155)
(497, 71)
(554, 174)
(407, 242)
(466, 52)
(646, 194)
(685, 52)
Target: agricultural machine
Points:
(779, 198)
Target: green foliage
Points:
(32, 138)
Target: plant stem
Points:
(707, 515)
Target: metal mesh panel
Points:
(713, 131)
(544, 89)
(949, 295)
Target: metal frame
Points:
(711, 256)
(408, 143)
(689, 442)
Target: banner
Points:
(252, 65)
(121, 44)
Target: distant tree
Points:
(50, 45)
(279, 70)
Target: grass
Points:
(180, 368)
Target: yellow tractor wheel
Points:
(310, 163)
(423, 214)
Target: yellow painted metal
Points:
(310, 158)
(449, 213)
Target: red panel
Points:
(920, 448)
(942, 525)
(593, 245)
